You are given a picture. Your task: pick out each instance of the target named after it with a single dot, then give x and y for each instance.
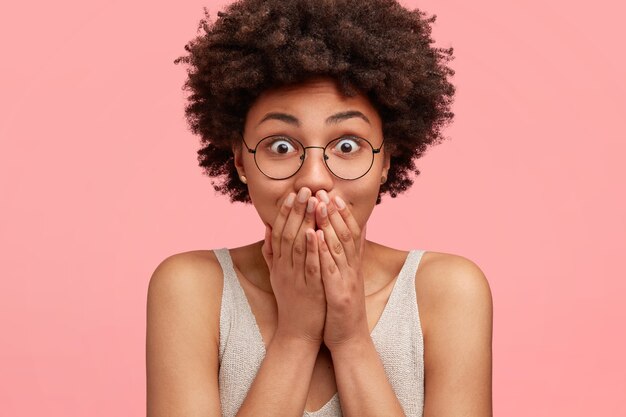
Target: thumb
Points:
(266, 249)
(362, 241)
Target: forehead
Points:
(311, 102)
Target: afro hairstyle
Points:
(374, 47)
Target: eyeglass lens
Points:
(280, 157)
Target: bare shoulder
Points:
(193, 280)
(187, 286)
(456, 313)
(445, 280)
(199, 267)
(182, 335)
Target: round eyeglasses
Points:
(280, 157)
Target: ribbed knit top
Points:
(397, 337)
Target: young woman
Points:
(310, 111)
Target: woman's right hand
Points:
(291, 252)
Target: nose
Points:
(314, 173)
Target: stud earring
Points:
(243, 179)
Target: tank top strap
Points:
(236, 312)
(241, 348)
(402, 302)
(227, 309)
(397, 338)
(399, 341)
(406, 276)
(226, 263)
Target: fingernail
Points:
(324, 197)
(323, 210)
(289, 200)
(340, 203)
(308, 236)
(310, 205)
(303, 195)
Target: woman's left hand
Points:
(341, 243)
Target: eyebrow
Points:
(334, 119)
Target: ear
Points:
(387, 162)
(238, 157)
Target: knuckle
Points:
(311, 269)
(288, 236)
(331, 269)
(299, 249)
(299, 209)
(338, 248)
(344, 300)
(345, 236)
(341, 302)
(323, 221)
(284, 210)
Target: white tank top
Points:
(397, 337)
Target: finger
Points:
(335, 247)
(307, 223)
(362, 241)
(279, 223)
(288, 242)
(312, 274)
(309, 216)
(299, 256)
(350, 221)
(331, 277)
(349, 239)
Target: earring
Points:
(383, 179)
(243, 179)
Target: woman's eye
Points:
(281, 146)
(347, 146)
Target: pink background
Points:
(99, 183)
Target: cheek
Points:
(266, 199)
(361, 199)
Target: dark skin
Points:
(316, 300)
(325, 303)
(263, 304)
(376, 46)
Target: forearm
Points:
(364, 389)
(281, 385)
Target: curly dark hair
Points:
(375, 47)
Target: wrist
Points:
(352, 348)
(300, 343)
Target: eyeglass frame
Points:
(303, 156)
